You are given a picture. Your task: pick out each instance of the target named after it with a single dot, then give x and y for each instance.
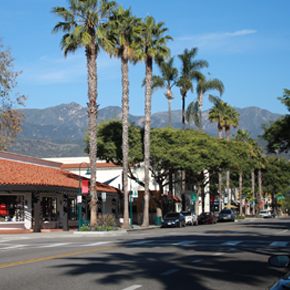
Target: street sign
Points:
(135, 192)
(280, 197)
(131, 198)
(194, 198)
(104, 196)
(79, 199)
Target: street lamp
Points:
(80, 193)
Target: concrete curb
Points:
(144, 229)
(101, 234)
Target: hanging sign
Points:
(79, 199)
(85, 186)
(135, 191)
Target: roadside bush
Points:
(240, 217)
(85, 229)
(258, 216)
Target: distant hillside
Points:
(58, 131)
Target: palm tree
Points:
(232, 120)
(151, 45)
(217, 115)
(241, 136)
(124, 28)
(190, 70)
(167, 80)
(262, 163)
(195, 107)
(82, 27)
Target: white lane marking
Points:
(197, 261)
(133, 287)
(184, 243)
(55, 245)
(140, 242)
(283, 232)
(217, 254)
(96, 244)
(169, 272)
(231, 243)
(278, 244)
(14, 247)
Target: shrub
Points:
(240, 217)
(85, 229)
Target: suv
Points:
(226, 215)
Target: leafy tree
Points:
(151, 45)
(277, 133)
(83, 27)
(194, 108)
(10, 117)
(125, 28)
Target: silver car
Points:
(266, 213)
(190, 217)
(226, 215)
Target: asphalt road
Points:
(221, 256)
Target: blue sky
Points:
(247, 45)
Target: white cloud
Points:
(229, 41)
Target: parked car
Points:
(173, 219)
(226, 215)
(190, 217)
(207, 218)
(280, 261)
(266, 213)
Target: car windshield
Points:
(264, 211)
(172, 215)
(227, 211)
(205, 214)
(186, 213)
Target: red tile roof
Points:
(20, 173)
(99, 165)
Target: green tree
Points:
(10, 117)
(83, 28)
(151, 45)
(202, 88)
(125, 28)
(277, 133)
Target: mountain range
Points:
(58, 131)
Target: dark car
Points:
(226, 215)
(207, 218)
(174, 219)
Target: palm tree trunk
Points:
(200, 103)
(253, 187)
(125, 134)
(260, 186)
(183, 112)
(220, 192)
(147, 125)
(92, 124)
(240, 191)
(228, 172)
(169, 112)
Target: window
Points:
(48, 209)
(12, 208)
(73, 210)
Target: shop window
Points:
(73, 210)
(12, 208)
(48, 208)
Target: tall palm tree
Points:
(125, 28)
(261, 163)
(82, 27)
(241, 136)
(217, 115)
(190, 71)
(167, 80)
(232, 120)
(151, 45)
(195, 107)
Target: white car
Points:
(266, 213)
(190, 217)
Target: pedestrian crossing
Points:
(6, 245)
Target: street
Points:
(223, 256)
